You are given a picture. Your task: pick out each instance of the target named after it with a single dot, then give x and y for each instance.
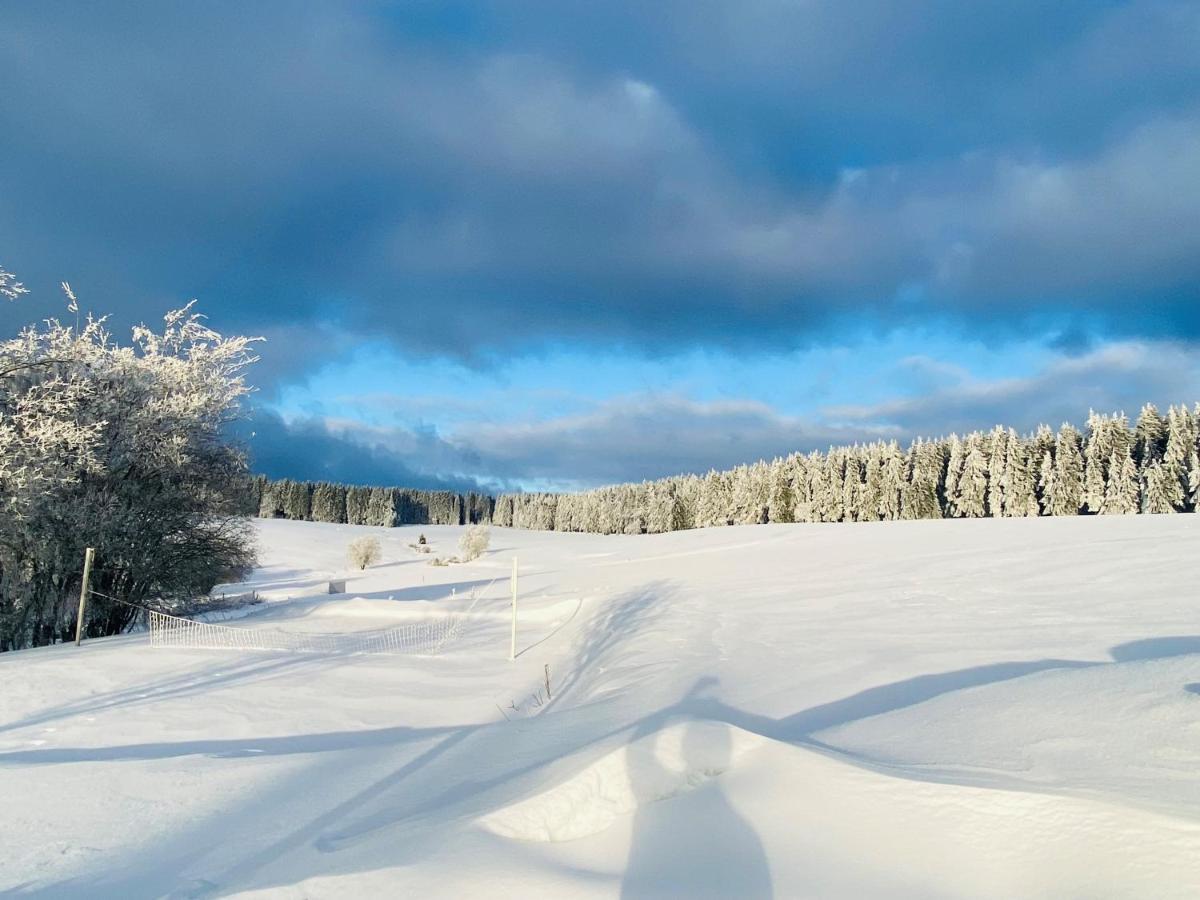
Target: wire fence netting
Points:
(426, 636)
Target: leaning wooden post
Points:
(83, 593)
(512, 653)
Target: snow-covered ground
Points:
(994, 708)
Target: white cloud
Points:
(1117, 376)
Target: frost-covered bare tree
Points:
(122, 448)
(364, 551)
(473, 542)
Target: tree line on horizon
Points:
(1108, 469)
(324, 501)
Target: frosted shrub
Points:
(473, 542)
(364, 551)
(122, 448)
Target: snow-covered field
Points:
(993, 708)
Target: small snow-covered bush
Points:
(364, 551)
(473, 542)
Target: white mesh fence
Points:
(424, 637)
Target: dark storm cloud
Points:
(653, 436)
(474, 179)
(312, 450)
(623, 439)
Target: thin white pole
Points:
(512, 653)
(83, 593)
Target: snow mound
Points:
(1127, 731)
(671, 761)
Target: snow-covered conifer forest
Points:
(1107, 468)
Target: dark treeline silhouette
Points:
(323, 501)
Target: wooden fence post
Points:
(83, 593)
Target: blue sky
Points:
(560, 244)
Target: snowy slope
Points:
(989, 708)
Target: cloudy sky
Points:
(560, 244)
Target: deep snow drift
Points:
(990, 708)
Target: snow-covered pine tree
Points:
(997, 452)
(328, 502)
(565, 518)
(827, 499)
(1149, 437)
(502, 515)
(681, 516)
(687, 491)
(270, 503)
(1163, 491)
(358, 498)
(751, 494)
(852, 485)
(659, 503)
(1047, 485)
(1043, 442)
(1097, 452)
(1122, 435)
(297, 500)
(254, 492)
(478, 508)
(1068, 473)
(1021, 493)
(381, 507)
(871, 501)
(603, 514)
(893, 482)
(1121, 496)
(1180, 443)
(1193, 485)
(808, 473)
(574, 515)
(1041, 453)
(583, 515)
(920, 498)
(781, 505)
(970, 499)
(713, 501)
(634, 503)
(808, 480)
(520, 511)
(954, 467)
(412, 507)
